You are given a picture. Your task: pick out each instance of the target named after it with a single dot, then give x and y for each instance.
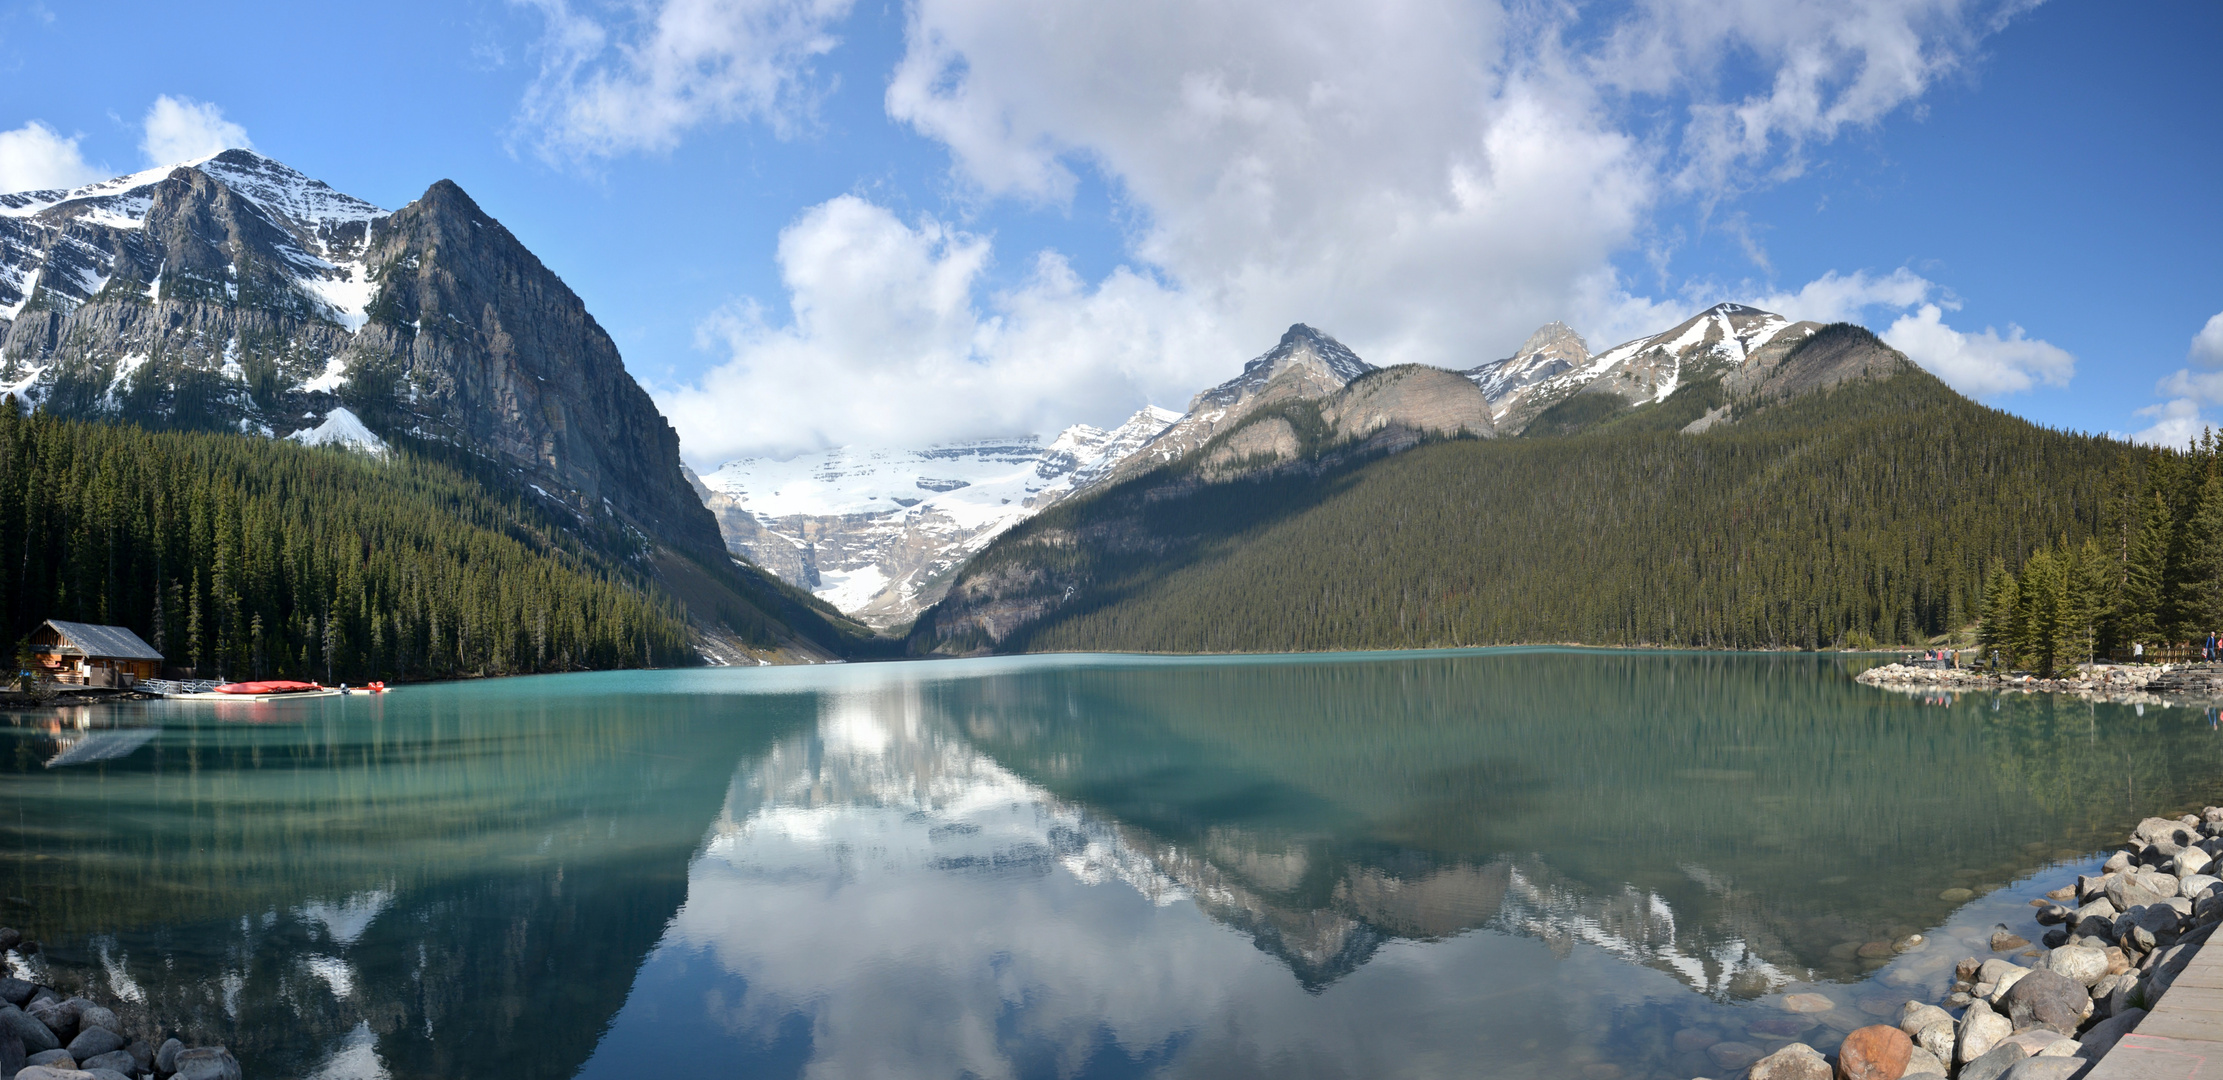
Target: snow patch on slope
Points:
(342, 428)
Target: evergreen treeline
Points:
(2152, 574)
(244, 557)
(1870, 514)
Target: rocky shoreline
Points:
(2120, 937)
(2127, 684)
(45, 1036)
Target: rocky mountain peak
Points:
(1322, 365)
(1557, 339)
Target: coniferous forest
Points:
(2151, 574)
(243, 557)
(1871, 515)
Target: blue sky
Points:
(813, 222)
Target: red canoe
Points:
(279, 686)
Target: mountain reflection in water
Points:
(1499, 863)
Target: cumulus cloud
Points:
(2176, 422)
(886, 344)
(604, 91)
(35, 157)
(2207, 345)
(2179, 420)
(1978, 364)
(1428, 180)
(181, 129)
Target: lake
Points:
(1491, 863)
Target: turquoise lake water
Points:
(1494, 863)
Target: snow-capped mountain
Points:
(1554, 365)
(875, 531)
(234, 292)
(1305, 363)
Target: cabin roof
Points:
(114, 642)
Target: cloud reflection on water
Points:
(921, 910)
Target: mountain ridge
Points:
(1185, 558)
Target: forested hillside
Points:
(2152, 574)
(247, 557)
(1873, 512)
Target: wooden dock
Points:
(297, 695)
(2182, 1038)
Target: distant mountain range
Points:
(1737, 480)
(878, 532)
(234, 293)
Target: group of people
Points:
(1950, 657)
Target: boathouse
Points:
(88, 654)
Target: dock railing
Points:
(175, 687)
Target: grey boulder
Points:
(1995, 1062)
(207, 1063)
(2046, 1068)
(2127, 892)
(166, 1056)
(1797, 1061)
(1981, 1029)
(2081, 965)
(2048, 998)
(36, 1036)
(95, 1041)
(59, 1059)
(2158, 830)
(119, 1060)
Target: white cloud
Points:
(1428, 180)
(2176, 422)
(1978, 364)
(180, 129)
(682, 64)
(2179, 420)
(2207, 345)
(36, 157)
(887, 345)
(1835, 297)
(1832, 66)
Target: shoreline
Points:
(2121, 938)
(2122, 684)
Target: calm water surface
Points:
(1511, 863)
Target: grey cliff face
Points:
(487, 348)
(235, 293)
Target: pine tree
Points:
(2145, 577)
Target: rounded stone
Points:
(1797, 1061)
(1732, 1056)
(207, 1063)
(1876, 1052)
(1995, 1062)
(1806, 1003)
(1955, 896)
(2048, 998)
(2084, 966)
(94, 1041)
(1981, 1029)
